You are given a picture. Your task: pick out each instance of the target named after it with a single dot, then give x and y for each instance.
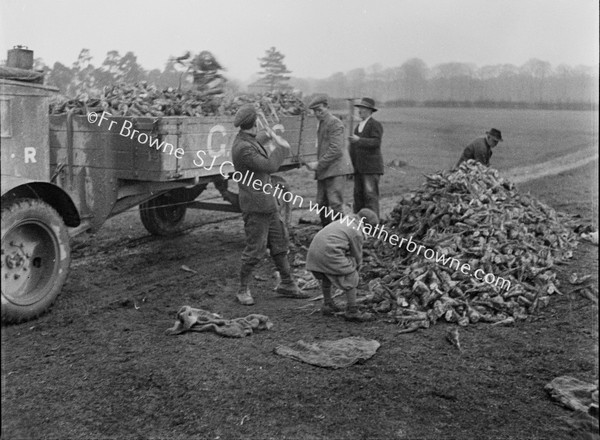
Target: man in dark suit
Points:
(263, 225)
(365, 153)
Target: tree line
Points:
(536, 83)
(85, 78)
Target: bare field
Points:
(427, 140)
(99, 366)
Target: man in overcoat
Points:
(263, 226)
(333, 163)
(480, 150)
(365, 152)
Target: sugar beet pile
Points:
(144, 99)
(476, 217)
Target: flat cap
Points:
(246, 114)
(320, 99)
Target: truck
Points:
(66, 174)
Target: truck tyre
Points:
(163, 215)
(35, 259)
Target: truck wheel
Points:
(35, 259)
(163, 215)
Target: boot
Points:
(329, 308)
(243, 295)
(287, 287)
(352, 312)
(354, 315)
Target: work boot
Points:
(287, 287)
(354, 315)
(290, 289)
(244, 297)
(352, 312)
(330, 309)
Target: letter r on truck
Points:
(29, 154)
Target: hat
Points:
(495, 133)
(367, 103)
(246, 114)
(320, 99)
(369, 216)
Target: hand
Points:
(278, 139)
(353, 138)
(311, 166)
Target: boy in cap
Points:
(335, 256)
(365, 153)
(480, 149)
(263, 225)
(333, 163)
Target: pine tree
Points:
(274, 70)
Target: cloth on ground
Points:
(198, 320)
(573, 393)
(331, 354)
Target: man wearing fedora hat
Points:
(365, 153)
(480, 149)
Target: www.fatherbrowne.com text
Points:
(378, 231)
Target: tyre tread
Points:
(13, 315)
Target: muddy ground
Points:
(99, 365)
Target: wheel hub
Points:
(28, 261)
(16, 259)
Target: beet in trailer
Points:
(66, 174)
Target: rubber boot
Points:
(288, 286)
(243, 295)
(352, 312)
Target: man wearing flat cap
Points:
(333, 162)
(365, 152)
(480, 149)
(263, 225)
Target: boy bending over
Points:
(335, 256)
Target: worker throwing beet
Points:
(480, 149)
(262, 223)
(334, 257)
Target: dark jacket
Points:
(366, 152)
(248, 157)
(478, 150)
(331, 152)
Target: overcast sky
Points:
(317, 37)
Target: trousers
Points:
(366, 192)
(330, 193)
(264, 230)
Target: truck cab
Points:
(35, 254)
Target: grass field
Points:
(432, 139)
(439, 135)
